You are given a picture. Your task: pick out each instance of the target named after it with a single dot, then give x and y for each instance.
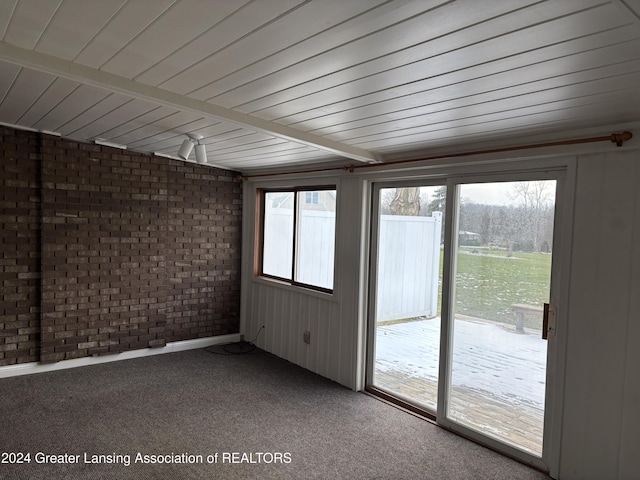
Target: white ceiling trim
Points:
(73, 71)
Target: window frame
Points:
(261, 210)
(311, 198)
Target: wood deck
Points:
(516, 424)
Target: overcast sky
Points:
(490, 194)
(498, 193)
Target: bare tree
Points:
(406, 201)
(386, 197)
(533, 195)
(535, 199)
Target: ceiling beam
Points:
(91, 76)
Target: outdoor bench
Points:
(520, 309)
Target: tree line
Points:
(524, 225)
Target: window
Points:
(298, 236)
(311, 198)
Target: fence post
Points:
(435, 270)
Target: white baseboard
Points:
(36, 367)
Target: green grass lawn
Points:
(488, 282)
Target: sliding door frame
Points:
(448, 296)
(561, 169)
(373, 290)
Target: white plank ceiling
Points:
(293, 83)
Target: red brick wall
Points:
(137, 251)
(203, 251)
(20, 243)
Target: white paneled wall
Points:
(286, 315)
(600, 425)
(333, 320)
(601, 416)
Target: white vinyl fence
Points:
(408, 266)
(278, 242)
(315, 248)
(408, 258)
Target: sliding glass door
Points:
(461, 302)
(408, 293)
(500, 282)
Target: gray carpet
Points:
(200, 403)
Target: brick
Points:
(157, 343)
(115, 227)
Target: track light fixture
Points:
(185, 149)
(201, 153)
(188, 145)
